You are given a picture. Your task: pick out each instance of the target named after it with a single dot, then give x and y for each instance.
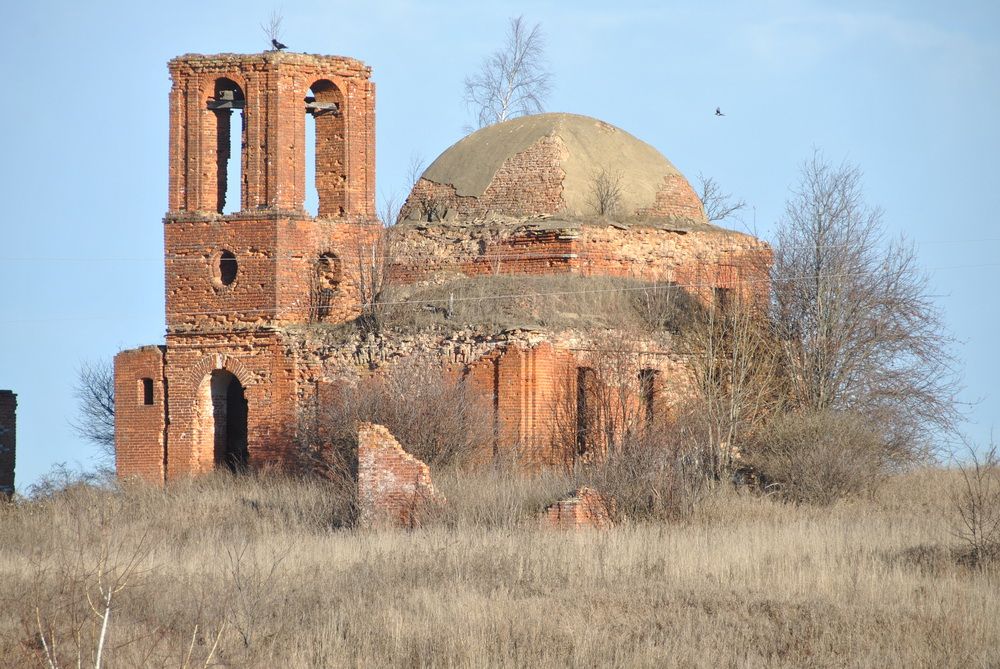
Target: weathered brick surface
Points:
(700, 258)
(260, 318)
(394, 488)
(274, 85)
(675, 199)
(140, 428)
(528, 183)
(277, 275)
(8, 441)
(585, 508)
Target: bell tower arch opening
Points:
(229, 421)
(230, 140)
(326, 150)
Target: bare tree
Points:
(272, 28)
(513, 81)
(605, 192)
(95, 394)
(375, 261)
(733, 361)
(441, 418)
(859, 331)
(978, 505)
(718, 205)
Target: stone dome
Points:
(549, 165)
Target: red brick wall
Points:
(700, 259)
(8, 441)
(675, 199)
(258, 360)
(140, 429)
(585, 508)
(276, 270)
(529, 183)
(394, 488)
(274, 85)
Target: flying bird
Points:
(718, 112)
(278, 46)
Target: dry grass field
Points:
(254, 572)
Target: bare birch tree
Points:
(514, 80)
(858, 328)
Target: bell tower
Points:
(246, 266)
(262, 262)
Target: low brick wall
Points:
(394, 488)
(586, 508)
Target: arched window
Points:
(326, 173)
(230, 140)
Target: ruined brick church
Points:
(260, 302)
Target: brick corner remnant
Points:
(8, 433)
(394, 488)
(585, 508)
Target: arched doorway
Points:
(229, 414)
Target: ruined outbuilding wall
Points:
(585, 508)
(528, 379)
(8, 441)
(140, 413)
(394, 488)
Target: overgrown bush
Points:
(820, 456)
(977, 502)
(437, 415)
(500, 496)
(654, 473)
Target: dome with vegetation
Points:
(561, 165)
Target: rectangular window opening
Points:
(582, 418)
(647, 386)
(147, 391)
(722, 296)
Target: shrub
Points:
(820, 456)
(978, 506)
(437, 416)
(652, 474)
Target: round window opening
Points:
(227, 268)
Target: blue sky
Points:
(910, 91)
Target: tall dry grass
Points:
(250, 572)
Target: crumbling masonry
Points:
(8, 442)
(259, 301)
